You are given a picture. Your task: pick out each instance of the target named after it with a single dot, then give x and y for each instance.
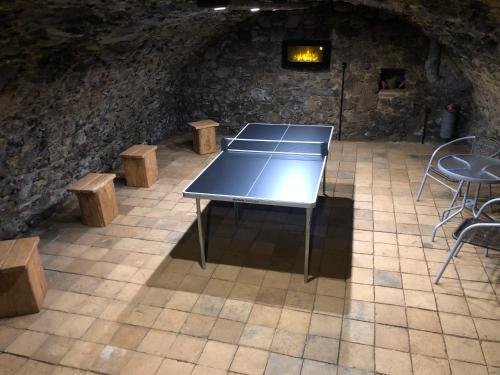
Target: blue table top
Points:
(276, 164)
(471, 168)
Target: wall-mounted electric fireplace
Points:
(306, 54)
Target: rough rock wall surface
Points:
(82, 81)
(240, 78)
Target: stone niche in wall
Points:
(240, 77)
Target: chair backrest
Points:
(486, 146)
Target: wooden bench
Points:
(96, 194)
(204, 139)
(22, 281)
(139, 162)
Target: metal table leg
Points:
(200, 234)
(460, 209)
(324, 182)
(307, 244)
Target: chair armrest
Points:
(477, 226)
(491, 201)
(446, 145)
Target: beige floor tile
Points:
(157, 342)
(170, 320)
(217, 355)
(10, 363)
(326, 326)
(392, 362)
(360, 292)
(423, 320)
(390, 337)
(359, 310)
(53, 349)
(423, 365)
(111, 360)
(482, 308)
(198, 325)
(143, 364)
(128, 337)
(452, 304)
(464, 349)
(228, 331)
(183, 301)
(294, 321)
(329, 305)
(321, 349)
(275, 279)
(427, 343)
(416, 282)
(288, 343)
(358, 332)
(244, 292)
(236, 310)
(421, 300)
(171, 366)
(491, 352)
(7, 336)
(464, 368)
(208, 305)
(264, 316)
(101, 331)
(488, 329)
(299, 301)
(257, 336)
(186, 348)
(331, 287)
(357, 356)
(82, 355)
(458, 325)
(249, 361)
(271, 296)
(35, 367)
(27, 343)
(390, 296)
(219, 288)
(390, 314)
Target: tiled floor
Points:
(131, 298)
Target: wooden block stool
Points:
(96, 194)
(204, 140)
(22, 281)
(141, 169)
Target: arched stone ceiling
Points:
(42, 40)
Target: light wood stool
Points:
(96, 194)
(22, 281)
(141, 168)
(204, 140)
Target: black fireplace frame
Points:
(306, 65)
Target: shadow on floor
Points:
(265, 238)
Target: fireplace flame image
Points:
(306, 54)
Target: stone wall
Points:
(79, 84)
(239, 79)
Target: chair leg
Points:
(452, 253)
(486, 252)
(422, 184)
(453, 200)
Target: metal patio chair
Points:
(478, 146)
(477, 231)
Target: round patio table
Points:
(467, 169)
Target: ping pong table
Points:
(270, 164)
